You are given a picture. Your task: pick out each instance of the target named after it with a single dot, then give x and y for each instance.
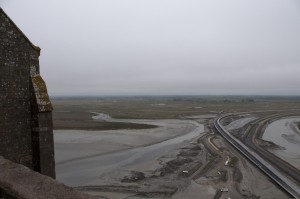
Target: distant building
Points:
(26, 131)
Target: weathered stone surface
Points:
(26, 134)
(19, 181)
(41, 94)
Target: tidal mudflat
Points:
(285, 133)
(156, 147)
(84, 155)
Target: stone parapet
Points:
(19, 182)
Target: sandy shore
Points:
(76, 144)
(284, 132)
(123, 163)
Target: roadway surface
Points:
(253, 132)
(290, 186)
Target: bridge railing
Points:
(262, 164)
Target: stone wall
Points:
(26, 134)
(19, 182)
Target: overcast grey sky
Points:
(138, 47)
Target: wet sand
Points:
(285, 133)
(74, 144)
(80, 149)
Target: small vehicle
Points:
(224, 189)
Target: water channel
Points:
(79, 172)
(285, 133)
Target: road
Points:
(253, 132)
(288, 185)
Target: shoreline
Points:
(288, 137)
(78, 145)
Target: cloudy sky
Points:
(146, 47)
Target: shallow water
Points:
(284, 133)
(81, 171)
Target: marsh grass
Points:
(76, 112)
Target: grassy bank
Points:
(75, 112)
(84, 121)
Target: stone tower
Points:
(26, 131)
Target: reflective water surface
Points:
(80, 171)
(285, 133)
